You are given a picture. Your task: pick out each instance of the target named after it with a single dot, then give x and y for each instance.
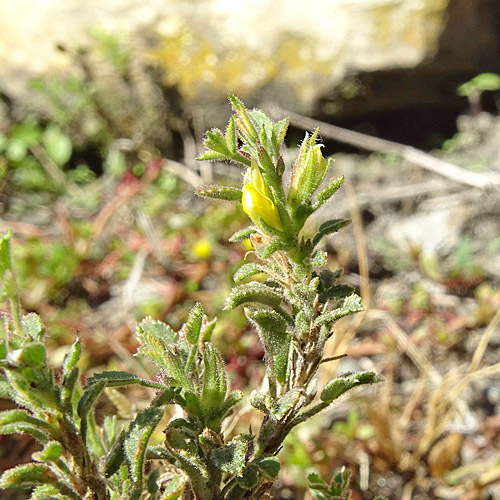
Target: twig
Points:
(483, 343)
(53, 171)
(360, 245)
(146, 224)
(396, 193)
(333, 358)
(183, 172)
(22, 228)
(409, 153)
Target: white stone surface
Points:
(339, 35)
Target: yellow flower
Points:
(202, 249)
(256, 200)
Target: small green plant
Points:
(294, 310)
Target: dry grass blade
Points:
(360, 245)
(411, 154)
(485, 339)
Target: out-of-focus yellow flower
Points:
(202, 249)
(256, 200)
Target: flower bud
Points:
(256, 200)
(308, 171)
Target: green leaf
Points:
(211, 156)
(243, 234)
(243, 120)
(34, 387)
(351, 305)
(67, 389)
(158, 330)
(173, 488)
(328, 289)
(207, 330)
(249, 478)
(318, 259)
(165, 397)
(266, 164)
(136, 441)
(92, 392)
(279, 131)
(216, 142)
(45, 492)
(338, 489)
(325, 194)
(32, 326)
(72, 357)
(5, 263)
(29, 132)
(192, 327)
(178, 438)
(20, 421)
(196, 471)
(254, 293)
(119, 378)
(247, 270)
(113, 379)
(33, 355)
(230, 458)
(329, 227)
(216, 192)
(273, 333)
(29, 475)
(284, 404)
(335, 388)
(227, 407)
(231, 136)
(480, 83)
(268, 466)
(175, 366)
(151, 483)
(16, 151)
(319, 489)
(51, 452)
(57, 145)
(116, 455)
(265, 251)
(214, 387)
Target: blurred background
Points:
(103, 108)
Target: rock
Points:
(287, 51)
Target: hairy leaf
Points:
(225, 193)
(335, 388)
(136, 441)
(329, 227)
(192, 328)
(325, 194)
(243, 234)
(272, 330)
(230, 458)
(254, 293)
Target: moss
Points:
(194, 64)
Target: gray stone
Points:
(285, 50)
